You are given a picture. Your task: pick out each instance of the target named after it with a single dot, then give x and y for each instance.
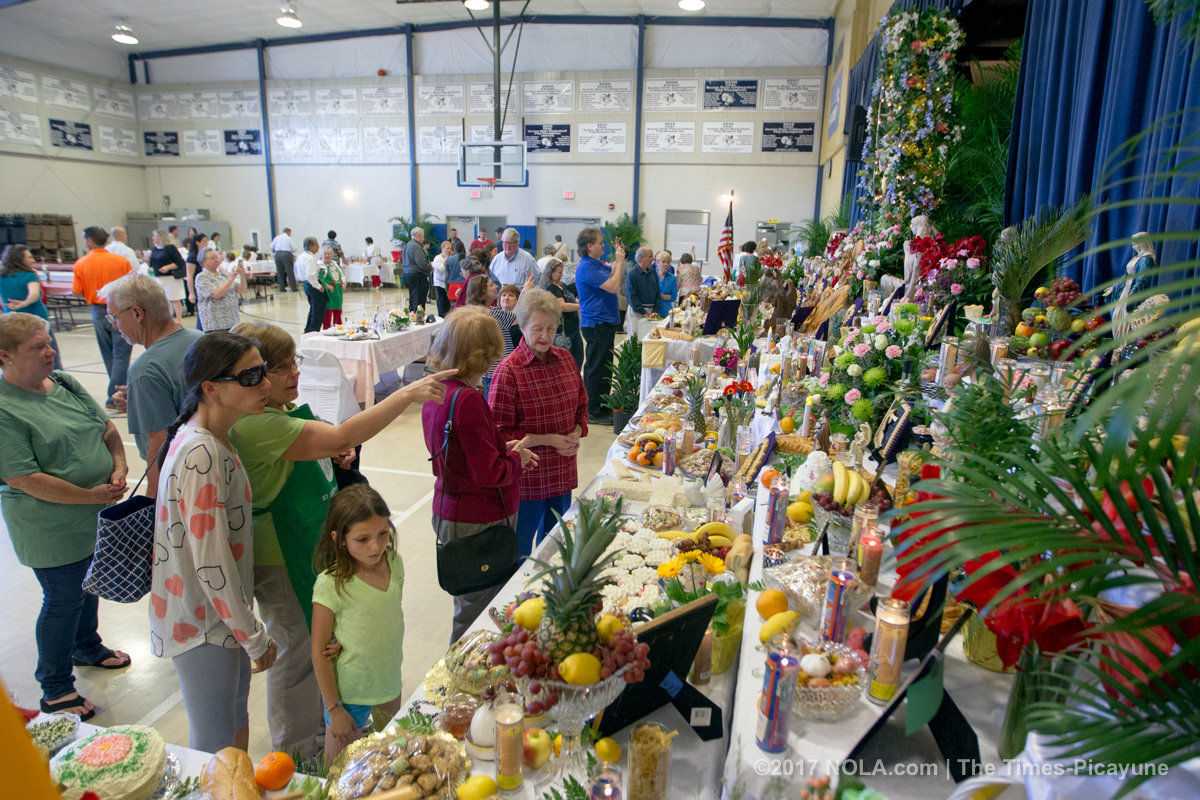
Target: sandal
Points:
(108, 656)
(69, 705)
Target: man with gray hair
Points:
(512, 265)
(141, 313)
(118, 245)
(641, 289)
(418, 272)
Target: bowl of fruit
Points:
(830, 681)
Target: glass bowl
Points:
(829, 703)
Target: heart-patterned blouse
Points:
(203, 578)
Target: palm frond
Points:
(1036, 244)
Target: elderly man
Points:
(641, 289)
(284, 250)
(418, 272)
(512, 265)
(142, 315)
(118, 245)
(98, 268)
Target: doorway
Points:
(566, 227)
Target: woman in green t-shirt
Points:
(333, 281)
(61, 462)
(286, 452)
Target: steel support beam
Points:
(640, 68)
(411, 82)
(266, 134)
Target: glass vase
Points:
(1015, 728)
(726, 645)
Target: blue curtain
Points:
(1094, 74)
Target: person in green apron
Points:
(288, 454)
(333, 281)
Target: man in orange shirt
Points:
(95, 270)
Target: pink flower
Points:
(824, 379)
(920, 293)
(956, 288)
(861, 274)
(861, 350)
(883, 326)
(973, 263)
(852, 396)
(893, 351)
(963, 254)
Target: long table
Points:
(366, 361)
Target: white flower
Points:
(881, 342)
(854, 370)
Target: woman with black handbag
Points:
(478, 473)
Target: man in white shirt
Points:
(117, 245)
(307, 274)
(512, 265)
(547, 257)
(285, 260)
(560, 249)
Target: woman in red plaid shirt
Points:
(537, 397)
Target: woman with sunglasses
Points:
(201, 611)
(287, 455)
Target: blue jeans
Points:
(66, 628)
(535, 518)
(114, 350)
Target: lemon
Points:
(607, 626)
(558, 745)
(580, 669)
(800, 512)
(529, 614)
(608, 751)
(787, 424)
(477, 787)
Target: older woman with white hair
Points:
(537, 398)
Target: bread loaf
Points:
(737, 560)
(229, 775)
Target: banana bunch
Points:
(849, 488)
(716, 534)
(658, 437)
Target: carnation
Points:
(883, 326)
(881, 342)
(862, 349)
(874, 377)
(850, 397)
(835, 392)
(956, 288)
(893, 351)
(973, 263)
(823, 380)
(854, 370)
(862, 410)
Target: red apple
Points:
(537, 747)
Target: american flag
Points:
(725, 248)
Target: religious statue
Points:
(1001, 326)
(1135, 280)
(858, 445)
(920, 227)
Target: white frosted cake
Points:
(124, 762)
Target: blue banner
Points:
(788, 137)
(740, 93)
(243, 142)
(70, 134)
(548, 138)
(161, 143)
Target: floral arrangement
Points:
(910, 124)
(743, 335)
(835, 241)
(726, 358)
(869, 362)
(736, 403)
(671, 568)
(960, 275)
(771, 260)
(398, 320)
(883, 254)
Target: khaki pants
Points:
(293, 698)
(467, 606)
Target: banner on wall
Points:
(788, 137)
(158, 105)
(66, 93)
(835, 107)
(290, 144)
(203, 143)
(548, 138)
(64, 133)
(199, 105)
(439, 142)
(118, 141)
(441, 98)
(161, 143)
(485, 133)
(18, 84)
(289, 101)
(336, 102)
(602, 137)
(670, 137)
(239, 103)
(728, 137)
(734, 94)
(383, 100)
(605, 95)
(20, 128)
(549, 97)
(114, 102)
(671, 94)
(385, 143)
(338, 143)
(243, 142)
(792, 94)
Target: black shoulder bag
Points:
(482, 560)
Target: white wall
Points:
(23, 40)
(233, 193)
(356, 201)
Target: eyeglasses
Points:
(248, 377)
(112, 318)
(294, 363)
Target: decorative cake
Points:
(124, 762)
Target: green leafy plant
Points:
(626, 230)
(403, 228)
(417, 723)
(982, 421)
(816, 235)
(572, 789)
(727, 594)
(626, 377)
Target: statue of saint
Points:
(1135, 280)
(920, 227)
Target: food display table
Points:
(658, 354)
(365, 361)
(191, 762)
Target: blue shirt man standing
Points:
(598, 285)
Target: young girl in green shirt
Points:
(357, 599)
(333, 281)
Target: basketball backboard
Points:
(492, 163)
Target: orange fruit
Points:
(771, 602)
(274, 771)
(787, 424)
(650, 446)
(768, 477)
(644, 459)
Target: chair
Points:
(325, 388)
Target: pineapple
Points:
(695, 401)
(572, 588)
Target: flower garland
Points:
(910, 127)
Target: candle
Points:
(887, 649)
(510, 732)
(870, 553)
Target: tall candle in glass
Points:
(887, 649)
(865, 517)
(510, 731)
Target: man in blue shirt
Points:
(598, 285)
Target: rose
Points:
(850, 397)
(823, 381)
(973, 263)
(862, 349)
(860, 274)
(893, 351)
(881, 342)
(854, 370)
(956, 288)
(883, 326)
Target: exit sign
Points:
(568, 195)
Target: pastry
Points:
(124, 762)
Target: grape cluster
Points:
(1063, 292)
(539, 699)
(825, 501)
(624, 649)
(520, 653)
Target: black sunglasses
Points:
(248, 377)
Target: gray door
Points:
(566, 227)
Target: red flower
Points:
(911, 82)
(730, 390)
(1013, 623)
(745, 386)
(981, 592)
(917, 45)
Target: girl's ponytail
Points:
(191, 402)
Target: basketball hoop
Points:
(487, 187)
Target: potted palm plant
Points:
(626, 384)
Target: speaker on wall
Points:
(858, 134)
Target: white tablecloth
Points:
(677, 350)
(368, 360)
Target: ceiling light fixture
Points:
(123, 34)
(288, 17)
(477, 5)
(691, 5)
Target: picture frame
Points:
(939, 326)
(893, 431)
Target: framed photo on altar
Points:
(893, 432)
(939, 326)
(895, 297)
